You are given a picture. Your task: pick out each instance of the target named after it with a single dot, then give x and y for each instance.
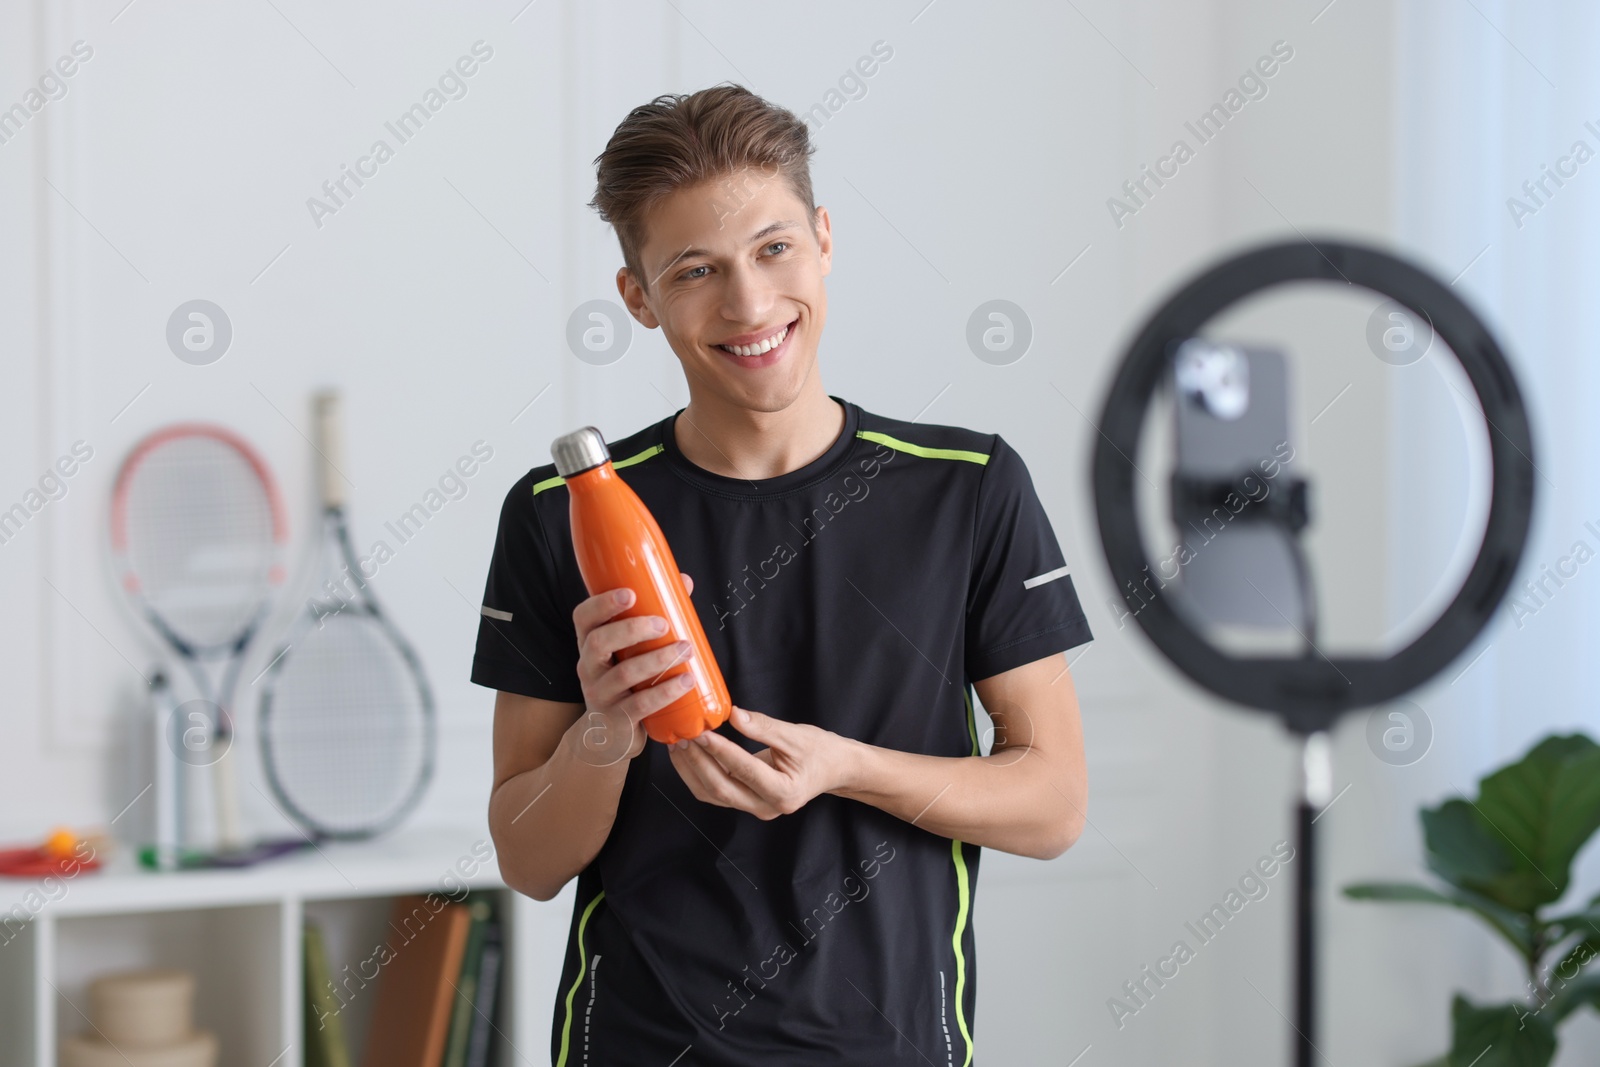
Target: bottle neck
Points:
(592, 478)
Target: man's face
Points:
(735, 283)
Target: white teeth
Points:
(760, 348)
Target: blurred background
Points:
(995, 152)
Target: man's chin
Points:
(764, 393)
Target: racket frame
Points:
(335, 528)
(218, 694)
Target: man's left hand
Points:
(799, 763)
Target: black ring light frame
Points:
(1310, 692)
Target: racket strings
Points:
(200, 537)
(348, 726)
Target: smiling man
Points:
(797, 886)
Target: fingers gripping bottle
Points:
(619, 545)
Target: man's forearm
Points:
(1013, 800)
(549, 822)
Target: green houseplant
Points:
(1505, 858)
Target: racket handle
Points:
(330, 445)
(230, 833)
(169, 794)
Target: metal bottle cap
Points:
(579, 451)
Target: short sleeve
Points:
(527, 642)
(1021, 604)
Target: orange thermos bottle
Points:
(619, 545)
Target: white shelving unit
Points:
(239, 932)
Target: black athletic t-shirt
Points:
(862, 593)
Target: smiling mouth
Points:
(761, 347)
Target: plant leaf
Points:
(1401, 892)
(1585, 923)
(1515, 843)
(1504, 1035)
(1548, 806)
(1570, 996)
(1577, 956)
(1464, 851)
(1514, 926)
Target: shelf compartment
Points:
(233, 952)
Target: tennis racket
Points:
(197, 536)
(347, 719)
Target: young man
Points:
(795, 887)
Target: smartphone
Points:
(1231, 564)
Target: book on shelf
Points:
(411, 1016)
(488, 988)
(466, 1006)
(324, 1027)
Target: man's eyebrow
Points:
(765, 231)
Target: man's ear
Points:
(633, 296)
(825, 239)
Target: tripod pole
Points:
(1316, 791)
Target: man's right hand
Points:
(610, 729)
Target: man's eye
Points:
(692, 275)
(781, 246)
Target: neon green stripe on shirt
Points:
(922, 450)
(964, 898)
(551, 483)
(583, 967)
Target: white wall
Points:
(1483, 103)
(977, 165)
